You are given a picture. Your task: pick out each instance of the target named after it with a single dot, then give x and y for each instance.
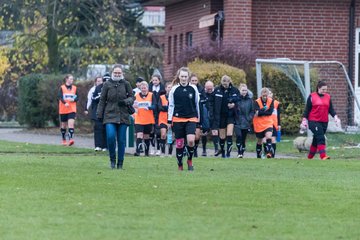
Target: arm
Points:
(308, 107)
(60, 96)
(266, 112)
(102, 102)
(278, 114)
(171, 105)
(331, 109)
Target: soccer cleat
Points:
(223, 155)
(97, 149)
(204, 154)
(136, 154)
(112, 165)
(240, 156)
(325, 158)
(120, 167)
(104, 149)
(181, 168)
(71, 142)
(64, 143)
(217, 153)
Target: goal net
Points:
(293, 81)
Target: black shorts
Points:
(146, 129)
(66, 117)
(262, 134)
(162, 125)
(225, 120)
(181, 129)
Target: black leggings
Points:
(319, 130)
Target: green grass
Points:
(49, 193)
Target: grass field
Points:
(52, 192)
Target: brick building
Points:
(296, 29)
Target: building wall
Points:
(181, 19)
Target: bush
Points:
(30, 111)
(38, 104)
(215, 70)
(287, 93)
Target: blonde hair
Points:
(177, 79)
(264, 90)
(144, 83)
(242, 85)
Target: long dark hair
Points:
(320, 84)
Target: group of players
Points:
(183, 112)
(192, 112)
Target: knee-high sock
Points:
(322, 150)
(63, 133)
(239, 145)
(179, 155)
(312, 152)
(274, 149)
(71, 133)
(204, 141)
(229, 143)
(258, 150)
(215, 140)
(138, 145)
(222, 144)
(147, 146)
(268, 148)
(162, 145)
(171, 148)
(152, 139)
(190, 151)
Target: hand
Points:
(256, 113)
(279, 127)
(67, 104)
(214, 132)
(304, 124)
(231, 105)
(337, 121)
(264, 108)
(86, 112)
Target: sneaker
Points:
(119, 167)
(97, 149)
(181, 168)
(190, 166)
(268, 155)
(240, 156)
(112, 165)
(223, 155)
(104, 149)
(204, 154)
(152, 152)
(136, 154)
(64, 143)
(158, 153)
(325, 158)
(195, 154)
(228, 154)
(71, 142)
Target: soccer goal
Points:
(302, 77)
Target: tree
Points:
(61, 24)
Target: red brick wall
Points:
(180, 19)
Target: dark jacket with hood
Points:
(223, 96)
(115, 98)
(244, 112)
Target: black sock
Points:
(179, 155)
(71, 133)
(239, 145)
(215, 140)
(170, 148)
(190, 151)
(162, 145)
(274, 149)
(229, 144)
(204, 141)
(152, 139)
(138, 144)
(147, 146)
(196, 147)
(268, 148)
(63, 133)
(158, 140)
(258, 150)
(222, 144)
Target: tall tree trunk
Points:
(52, 39)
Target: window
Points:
(188, 39)
(175, 48)
(181, 40)
(169, 51)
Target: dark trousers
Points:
(99, 134)
(319, 130)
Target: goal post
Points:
(329, 70)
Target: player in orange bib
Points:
(263, 122)
(163, 115)
(67, 97)
(145, 104)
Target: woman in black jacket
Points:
(226, 96)
(243, 119)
